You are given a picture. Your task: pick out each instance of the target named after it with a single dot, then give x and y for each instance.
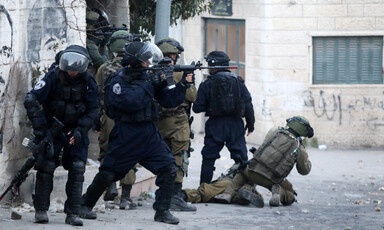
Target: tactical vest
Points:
(148, 113)
(225, 96)
(276, 157)
(68, 100)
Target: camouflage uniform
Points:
(249, 176)
(174, 127)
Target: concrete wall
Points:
(279, 67)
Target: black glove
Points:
(156, 79)
(40, 134)
(97, 122)
(250, 128)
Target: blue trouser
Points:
(220, 131)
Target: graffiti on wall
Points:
(333, 108)
(45, 34)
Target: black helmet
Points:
(217, 58)
(136, 52)
(300, 125)
(74, 58)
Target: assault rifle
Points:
(232, 171)
(40, 150)
(165, 69)
(107, 31)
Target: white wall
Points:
(279, 70)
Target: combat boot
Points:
(223, 198)
(275, 199)
(179, 204)
(166, 217)
(251, 197)
(126, 198)
(177, 201)
(111, 192)
(86, 212)
(73, 220)
(41, 217)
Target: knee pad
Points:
(77, 167)
(168, 173)
(47, 167)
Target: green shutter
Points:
(347, 60)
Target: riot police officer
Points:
(174, 127)
(67, 94)
(225, 100)
(116, 45)
(130, 100)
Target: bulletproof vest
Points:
(225, 96)
(148, 113)
(68, 99)
(276, 157)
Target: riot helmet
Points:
(301, 126)
(217, 58)
(119, 40)
(74, 58)
(137, 52)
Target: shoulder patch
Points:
(117, 88)
(40, 84)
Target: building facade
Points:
(321, 59)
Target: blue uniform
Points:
(44, 91)
(74, 101)
(135, 137)
(132, 142)
(220, 130)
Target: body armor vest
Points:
(68, 100)
(148, 113)
(276, 157)
(225, 96)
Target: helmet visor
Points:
(72, 61)
(150, 52)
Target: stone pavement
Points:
(345, 190)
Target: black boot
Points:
(41, 217)
(111, 192)
(73, 220)
(253, 198)
(126, 198)
(166, 217)
(177, 201)
(86, 212)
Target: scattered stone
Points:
(372, 178)
(377, 201)
(381, 189)
(15, 215)
(139, 204)
(347, 228)
(277, 212)
(305, 211)
(358, 202)
(377, 209)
